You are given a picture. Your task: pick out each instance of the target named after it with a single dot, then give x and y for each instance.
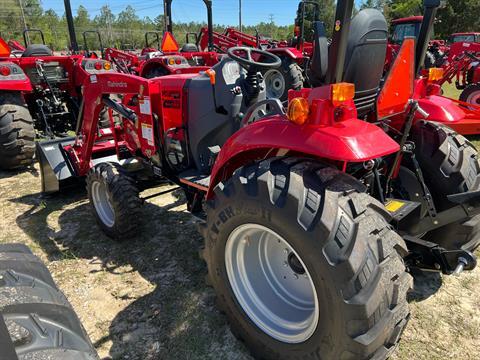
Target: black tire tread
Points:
(373, 277)
(125, 198)
(39, 319)
(450, 165)
(17, 133)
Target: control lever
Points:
(422, 112)
(212, 76)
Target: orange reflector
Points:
(169, 44)
(211, 74)
(435, 74)
(171, 61)
(298, 111)
(398, 87)
(4, 48)
(342, 92)
(107, 65)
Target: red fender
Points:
(461, 117)
(351, 140)
(290, 52)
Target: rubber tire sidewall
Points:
(308, 250)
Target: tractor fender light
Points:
(5, 70)
(171, 61)
(98, 65)
(435, 74)
(178, 61)
(107, 66)
(342, 92)
(298, 111)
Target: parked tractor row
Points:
(314, 210)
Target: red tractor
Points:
(167, 58)
(40, 95)
(312, 217)
(464, 61)
(410, 26)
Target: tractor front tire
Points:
(471, 94)
(449, 163)
(279, 81)
(114, 200)
(17, 134)
(304, 263)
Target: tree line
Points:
(126, 29)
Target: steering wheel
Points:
(248, 62)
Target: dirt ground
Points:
(146, 298)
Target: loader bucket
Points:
(55, 167)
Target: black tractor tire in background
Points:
(450, 165)
(471, 94)
(114, 200)
(340, 234)
(278, 81)
(36, 320)
(17, 133)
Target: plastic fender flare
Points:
(351, 140)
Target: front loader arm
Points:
(138, 134)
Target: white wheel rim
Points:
(102, 203)
(271, 283)
(474, 98)
(275, 84)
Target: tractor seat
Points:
(37, 50)
(365, 57)
(189, 48)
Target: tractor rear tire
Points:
(304, 263)
(279, 81)
(17, 133)
(450, 165)
(114, 200)
(36, 320)
(471, 94)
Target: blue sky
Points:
(224, 11)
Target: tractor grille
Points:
(54, 72)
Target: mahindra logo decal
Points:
(117, 84)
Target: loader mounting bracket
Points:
(429, 256)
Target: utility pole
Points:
(240, 27)
(24, 21)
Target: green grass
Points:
(449, 90)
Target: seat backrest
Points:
(319, 63)
(365, 57)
